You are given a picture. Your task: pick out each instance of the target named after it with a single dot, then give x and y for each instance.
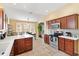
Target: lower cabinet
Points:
(61, 44)
(28, 44)
(12, 51)
(22, 45)
(66, 45)
(19, 46)
(46, 39)
(69, 46)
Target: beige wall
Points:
(13, 23)
(68, 9)
(1, 5)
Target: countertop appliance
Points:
(69, 34)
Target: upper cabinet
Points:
(57, 20)
(63, 23)
(72, 21)
(1, 19)
(66, 22)
(52, 21)
(48, 24)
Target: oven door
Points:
(54, 42)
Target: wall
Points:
(64, 11)
(68, 9)
(1, 6)
(3, 30)
(31, 28)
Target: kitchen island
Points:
(13, 42)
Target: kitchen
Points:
(65, 32)
(67, 26)
(60, 31)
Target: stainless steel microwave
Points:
(55, 26)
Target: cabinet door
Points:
(46, 39)
(1, 19)
(49, 24)
(69, 46)
(57, 20)
(18, 46)
(61, 44)
(72, 22)
(52, 21)
(12, 51)
(63, 23)
(28, 44)
(78, 21)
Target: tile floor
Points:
(41, 49)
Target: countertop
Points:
(7, 43)
(71, 38)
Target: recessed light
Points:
(24, 6)
(14, 3)
(46, 11)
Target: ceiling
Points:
(33, 11)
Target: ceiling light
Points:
(14, 3)
(46, 11)
(24, 6)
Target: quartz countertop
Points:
(7, 43)
(71, 38)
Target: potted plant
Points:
(39, 30)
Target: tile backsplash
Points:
(74, 32)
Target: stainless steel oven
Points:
(54, 39)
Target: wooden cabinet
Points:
(66, 45)
(18, 46)
(66, 22)
(57, 20)
(52, 21)
(46, 39)
(72, 21)
(69, 46)
(63, 23)
(28, 44)
(22, 45)
(61, 44)
(1, 19)
(78, 21)
(48, 24)
(12, 51)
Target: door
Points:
(57, 20)
(28, 44)
(63, 23)
(49, 24)
(72, 22)
(18, 46)
(46, 39)
(69, 46)
(1, 19)
(52, 21)
(61, 43)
